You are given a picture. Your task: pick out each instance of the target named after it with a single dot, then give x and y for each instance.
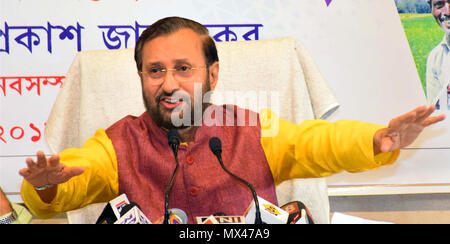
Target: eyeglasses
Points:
(181, 73)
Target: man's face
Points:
(179, 50)
(441, 12)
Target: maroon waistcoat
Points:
(146, 162)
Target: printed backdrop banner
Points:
(360, 47)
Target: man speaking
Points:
(174, 57)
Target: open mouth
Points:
(445, 20)
(171, 102)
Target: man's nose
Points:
(170, 84)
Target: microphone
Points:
(177, 216)
(221, 219)
(270, 213)
(174, 142)
(211, 220)
(121, 211)
(112, 211)
(298, 213)
(216, 147)
(174, 139)
(132, 214)
(128, 207)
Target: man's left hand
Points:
(403, 130)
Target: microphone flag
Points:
(133, 216)
(111, 212)
(298, 213)
(212, 219)
(270, 214)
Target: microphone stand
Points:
(258, 219)
(174, 142)
(216, 147)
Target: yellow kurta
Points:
(314, 148)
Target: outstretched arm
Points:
(79, 176)
(403, 130)
(48, 171)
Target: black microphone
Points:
(107, 216)
(174, 142)
(132, 214)
(128, 207)
(216, 147)
(116, 209)
(112, 211)
(295, 212)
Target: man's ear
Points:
(214, 75)
(141, 78)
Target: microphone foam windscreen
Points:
(215, 145)
(173, 136)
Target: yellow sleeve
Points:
(318, 148)
(99, 182)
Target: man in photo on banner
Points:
(438, 62)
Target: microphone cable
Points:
(174, 143)
(216, 147)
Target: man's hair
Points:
(169, 25)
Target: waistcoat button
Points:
(190, 159)
(194, 191)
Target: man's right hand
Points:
(48, 171)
